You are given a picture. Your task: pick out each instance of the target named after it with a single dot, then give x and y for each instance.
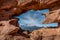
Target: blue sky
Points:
(34, 18)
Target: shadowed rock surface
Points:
(39, 4)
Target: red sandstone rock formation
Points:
(6, 28)
(39, 4)
(10, 8)
(9, 31)
(52, 16)
(9, 27)
(46, 34)
(8, 4)
(6, 9)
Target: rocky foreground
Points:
(9, 27)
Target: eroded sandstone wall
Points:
(9, 27)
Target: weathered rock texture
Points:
(9, 27)
(39, 4)
(9, 31)
(46, 34)
(53, 16)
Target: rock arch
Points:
(10, 8)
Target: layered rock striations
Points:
(39, 4)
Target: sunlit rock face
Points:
(32, 20)
(46, 34)
(53, 16)
(6, 27)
